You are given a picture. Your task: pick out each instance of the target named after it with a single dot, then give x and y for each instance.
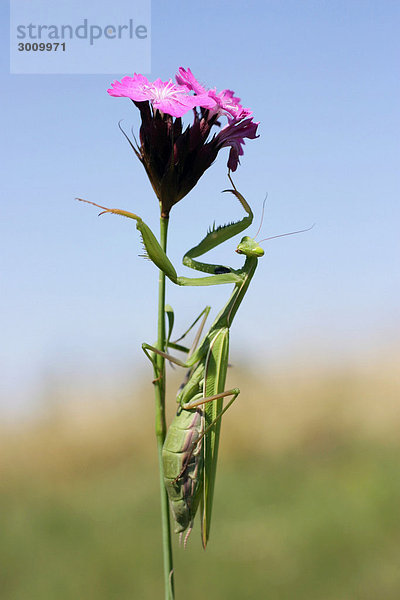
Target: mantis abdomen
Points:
(183, 462)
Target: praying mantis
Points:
(190, 451)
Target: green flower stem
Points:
(161, 428)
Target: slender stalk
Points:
(161, 428)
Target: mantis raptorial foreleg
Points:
(219, 274)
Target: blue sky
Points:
(322, 78)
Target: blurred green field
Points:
(307, 499)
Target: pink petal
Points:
(136, 88)
(186, 78)
(204, 100)
(233, 135)
(173, 106)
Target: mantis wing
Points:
(214, 383)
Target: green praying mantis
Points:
(190, 451)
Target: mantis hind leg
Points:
(233, 392)
(190, 405)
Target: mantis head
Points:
(249, 247)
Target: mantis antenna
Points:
(284, 234)
(262, 215)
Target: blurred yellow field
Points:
(306, 501)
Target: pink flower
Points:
(175, 157)
(165, 96)
(230, 105)
(225, 101)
